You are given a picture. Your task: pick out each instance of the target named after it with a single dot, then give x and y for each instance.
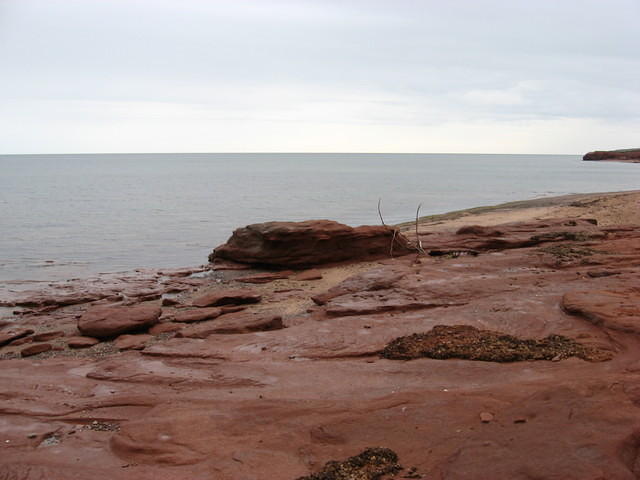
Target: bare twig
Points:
(380, 213)
(393, 239)
(418, 242)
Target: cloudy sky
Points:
(486, 76)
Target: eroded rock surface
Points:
(236, 396)
(314, 242)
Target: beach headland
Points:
(631, 155)
(508, 349)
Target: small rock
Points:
(21, 341)
(11, 335)
(45, 337)
(239, 323)
(109, 321)
(486, 417)
(132, 342)
(35, 349)
(198, 315)
(168, 301)
(82, 342)
(165, 328)
(308, 275)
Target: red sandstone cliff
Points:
(626, 155)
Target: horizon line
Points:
(284, 153)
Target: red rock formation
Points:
(82, 342)
(109, 321)
(235, 323)
(11, 335)
(46, 336)
(626, 155)
(167, 327)
(132, 342)
(198, 315)
(280, 404)
(265, 277)
(314, 242)
(35, 349)
(308, 275)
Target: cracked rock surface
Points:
(288, 383)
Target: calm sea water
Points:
(64, 216)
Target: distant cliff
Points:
(626, 155)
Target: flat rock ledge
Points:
(313, 242)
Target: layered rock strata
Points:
(519, 361)
(314, 242)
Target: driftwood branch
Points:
(418, 246)
(380, 213)
(418, 242)
(393, 239)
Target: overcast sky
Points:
(486, 76)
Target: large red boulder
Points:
(313, 242)
(110, 321)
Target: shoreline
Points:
(611, 207)
(528, 310)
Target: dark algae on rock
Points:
(371, 464)
(469, 343)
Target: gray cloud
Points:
(411, 64)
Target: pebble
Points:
(486, 417)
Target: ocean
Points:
(73, 216)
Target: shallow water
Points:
(64, 216)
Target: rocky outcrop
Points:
(616, 310)
(314, 242)
(235, 323)
(35, 349)
(82, 342)
(625, 155)
(110, 321)
(473, 239)
(416, 357)
(132, 342)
